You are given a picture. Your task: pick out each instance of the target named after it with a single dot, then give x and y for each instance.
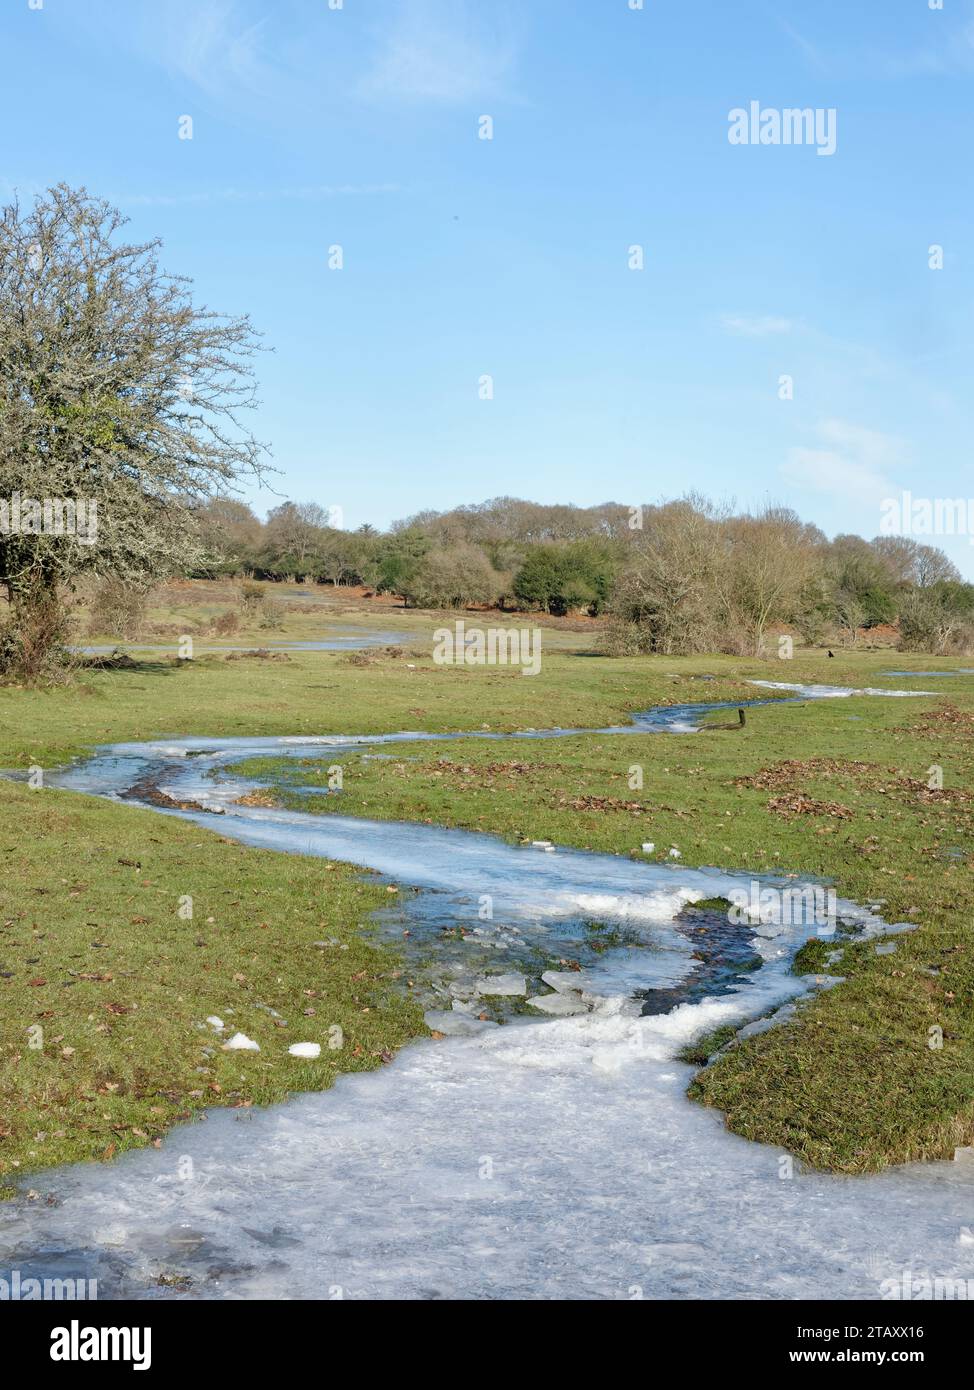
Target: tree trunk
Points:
(36, 631)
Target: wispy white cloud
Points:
(853, 464)
(755, 325)
(291, 53)
(444, 52)
(225, 48)
(218, 42)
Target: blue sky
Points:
(464, 257)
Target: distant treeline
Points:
(681, 576)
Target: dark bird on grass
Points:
(832, 654)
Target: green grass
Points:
(699, 1052)
(816, 958)
(313, 692)
(852, 1084)
(94, 952)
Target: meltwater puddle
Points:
(538, 1159)
(342, 639)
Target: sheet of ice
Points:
(559, 1004)
(623, 972)
(557, 1159)
(549, 1158)
(520, 882)
(832, 692)
(504, 985)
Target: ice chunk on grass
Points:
(561, 1005)
(512, 983)
(455, 1024)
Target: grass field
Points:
(93, 950)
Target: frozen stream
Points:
(551, 1158)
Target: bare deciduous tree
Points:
(775, 556)
(668, 597)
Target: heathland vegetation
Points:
(676, 578)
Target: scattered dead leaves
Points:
(791, 806)
(785, 776)
(945, 718)
(600, 803)
(793, 776)
(258, 798)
